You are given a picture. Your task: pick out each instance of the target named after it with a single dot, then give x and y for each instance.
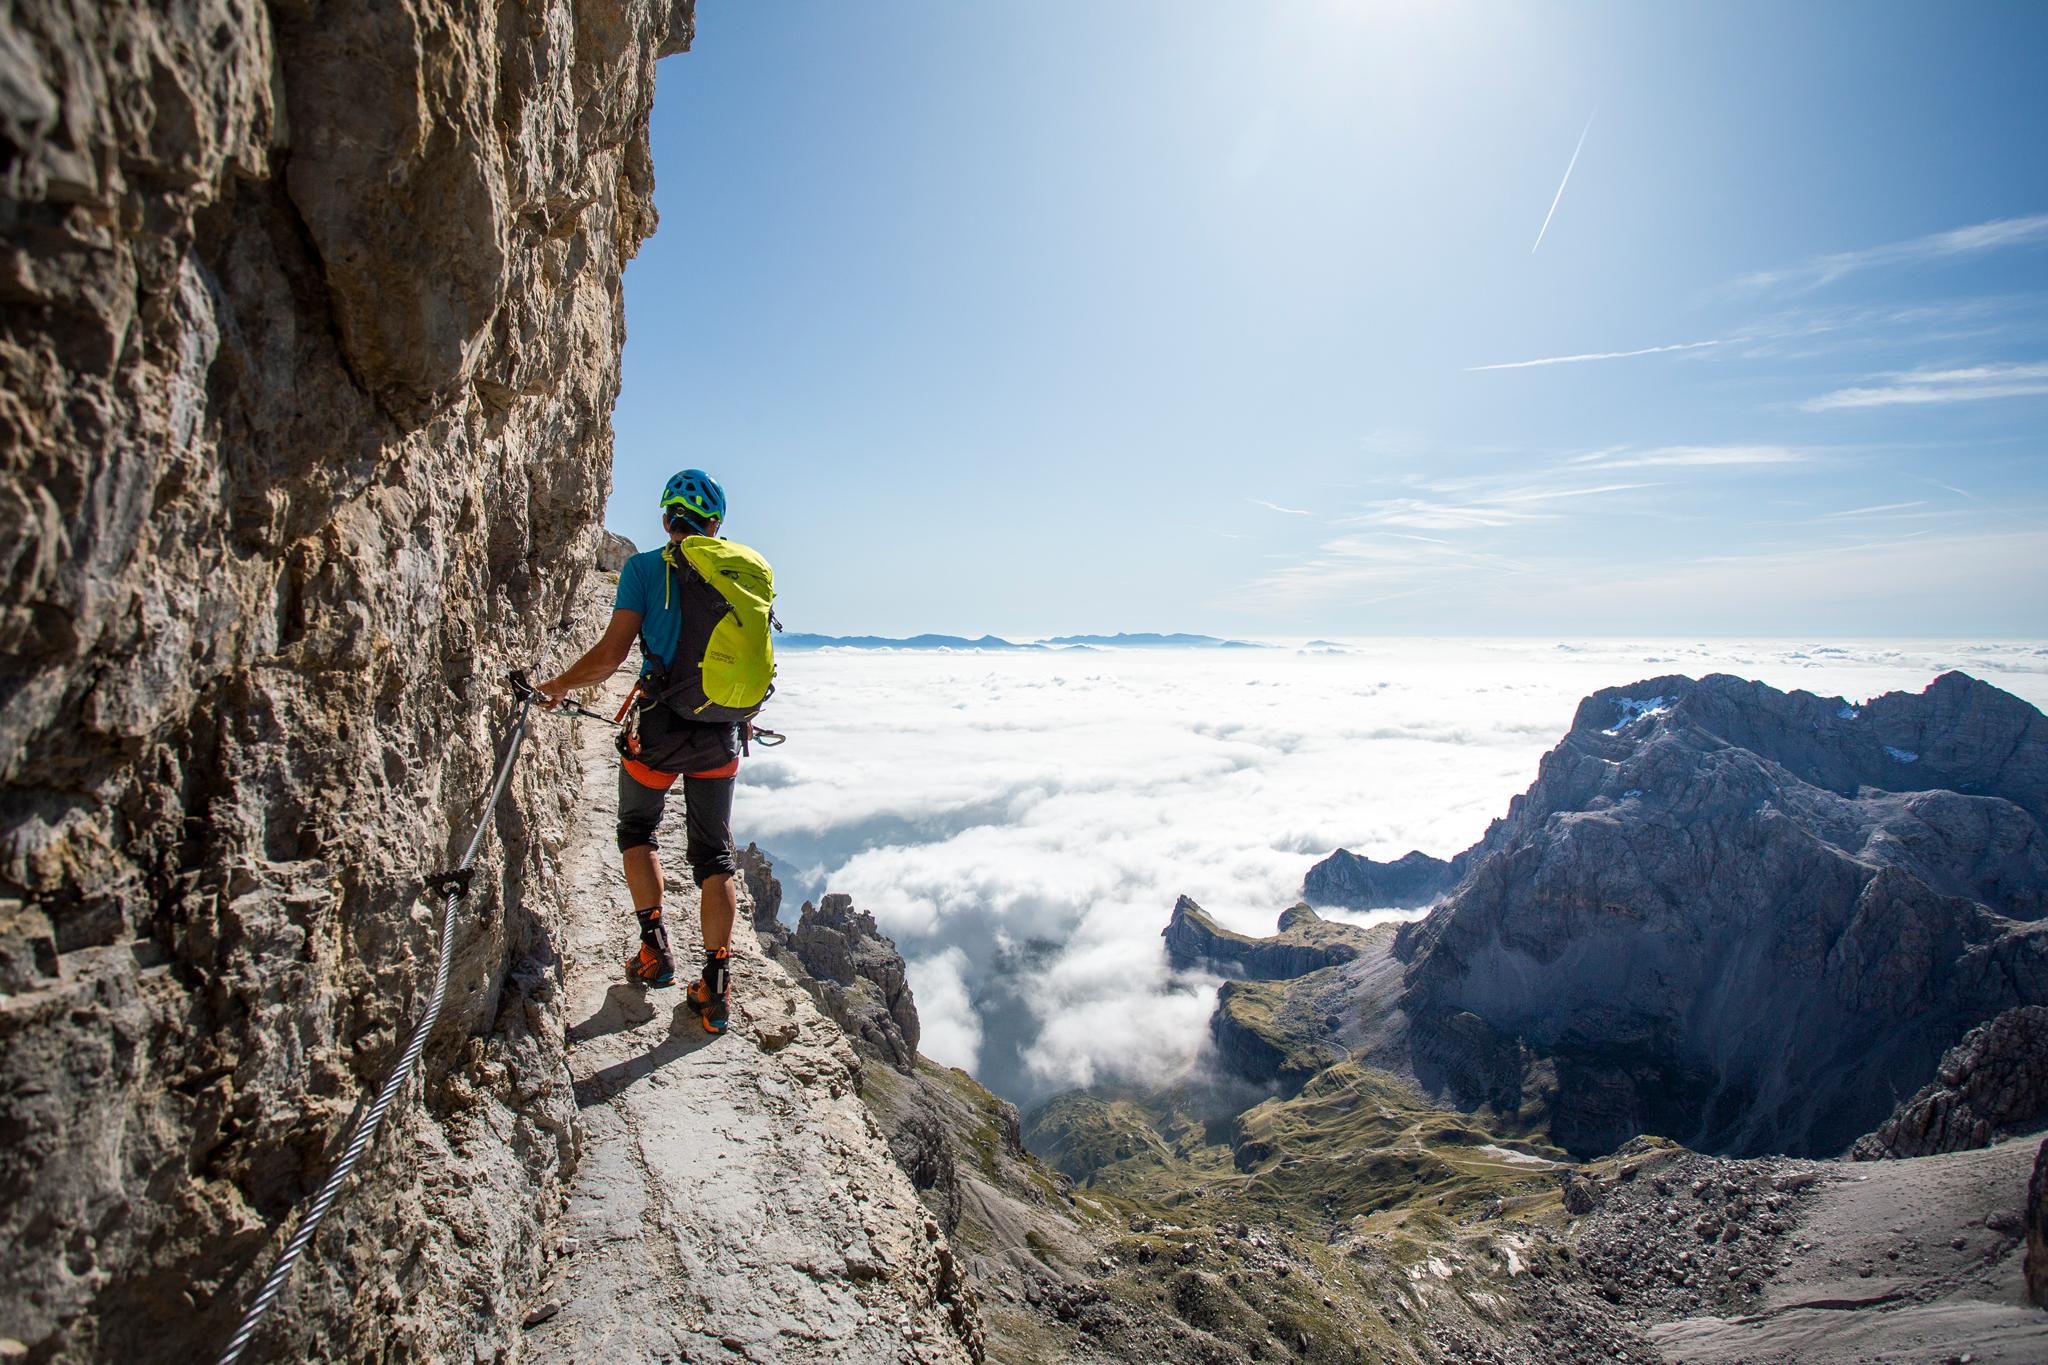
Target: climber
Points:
(700, 607)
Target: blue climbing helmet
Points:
(696, 493)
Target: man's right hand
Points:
(552, 691)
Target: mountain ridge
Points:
(1693, 850)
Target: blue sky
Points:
(1070, 317)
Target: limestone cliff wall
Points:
(310, 321)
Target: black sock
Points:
(653, 932)
(717, 971)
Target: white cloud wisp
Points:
(1997, 234)
(1968, 385)
(1689, 457)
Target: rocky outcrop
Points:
(1745, 918)
(1306, 942)
(1993, 1083)
(1269, 1032)
(764, 892)
(613, 550)
(858, 976)
(1016, 1240)
(1360, 883)
(310, 320)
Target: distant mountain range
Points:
(800, 640)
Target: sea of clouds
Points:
(1021, 824)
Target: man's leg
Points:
(716, 906)
(643, 877)
(707, 805)
(639, 815)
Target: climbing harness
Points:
(454, 886)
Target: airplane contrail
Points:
(1593, 355)
(1562, 183)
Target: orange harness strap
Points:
(654, 778)
(627, 705)
(660, 781)
(650, 777)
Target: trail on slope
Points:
(733, 1199)
(1908, 1260)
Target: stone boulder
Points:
(1991, 1084)
(613, 550)
(764, 893)
(923, 1147)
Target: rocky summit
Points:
(1359, 883)
(1305, 943)
(1749, 919)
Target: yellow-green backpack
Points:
(724, 665)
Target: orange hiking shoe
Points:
(651, 966)
(710, 993)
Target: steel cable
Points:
(373, 1117)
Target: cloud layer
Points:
(1022, 824)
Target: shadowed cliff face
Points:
(310, 323)
(1991, 1084)
(1348, 879)
(1748, 919)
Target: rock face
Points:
(310, 321)
(1740, 917)
(613, 551)
(1992, 1083)
(859, 976)
(1306, 942)
(1360, 883)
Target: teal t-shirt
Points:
(644, 587)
